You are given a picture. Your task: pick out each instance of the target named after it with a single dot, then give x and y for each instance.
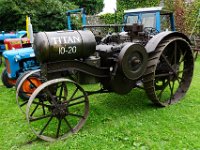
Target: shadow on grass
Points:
(111, 107)
(30, 142)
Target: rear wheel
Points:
(169, 71)
(8, 82)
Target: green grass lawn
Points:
(115, 122)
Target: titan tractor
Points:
(142, 56)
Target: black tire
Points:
(9, 83)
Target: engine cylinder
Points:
(63, 45)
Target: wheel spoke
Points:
(161, 92)
(34, 110)
(31, 83)
(182, 58)
(68, 124)
(39, 118)
(76, 115)
(42, 104)
(76, 98)
(170, 66)
(46, 125)
(23, 103)
(61, 90)
(65, 90)
(171, 91)
(75, 103)
(76, 90)
(43, 108)
(51, 96)
(58, 128)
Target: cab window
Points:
(132, 19)
(149, 20)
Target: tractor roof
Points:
(147, 9)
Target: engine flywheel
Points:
(133, 60)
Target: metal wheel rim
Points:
(183, 77)
(19, 87)
(76, 128)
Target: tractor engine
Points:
(126, 61)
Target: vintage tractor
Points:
(160, 62)
(19, 57)
(17, 62)
(164, 65)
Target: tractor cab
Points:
(154, 18)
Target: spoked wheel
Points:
(169, 71)
(26, 85)
(57, 109)
(8, 82)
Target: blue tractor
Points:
(17, 62)
(4, 36)
(153, 19)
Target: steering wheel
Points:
(150, 31)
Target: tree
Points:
(45, 14)
(91, 6)
(131, 4)
(191, 15)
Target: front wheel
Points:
(57, 109)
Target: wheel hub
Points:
(60, 111)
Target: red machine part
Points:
(16, 43)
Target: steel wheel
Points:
(25, 85)
(169, 71)
(57, 109)
(8, 82)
